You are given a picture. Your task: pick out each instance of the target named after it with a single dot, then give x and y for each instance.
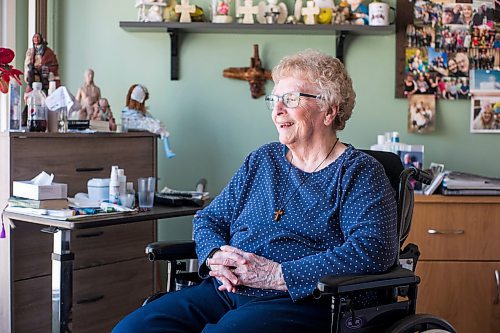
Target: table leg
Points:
(62, 282)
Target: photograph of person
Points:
(484, 14)
(413, 158)
(426, 13)
(421, 113)
(485, 81)
(485, 114)
(485, 58)
(457, 66)
(416, 61)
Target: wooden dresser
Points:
(459, 241)
(111, 273)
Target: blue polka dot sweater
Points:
(341, 220)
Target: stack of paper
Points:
(460, 183)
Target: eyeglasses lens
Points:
(291, 100)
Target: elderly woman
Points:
(296, 210)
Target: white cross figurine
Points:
(309, 12)
(185, 9)
(248, 10)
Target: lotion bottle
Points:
(114, 186)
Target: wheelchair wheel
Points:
(422, 323)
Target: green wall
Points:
(214, 122)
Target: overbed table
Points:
(62, 256)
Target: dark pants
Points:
(203, 308)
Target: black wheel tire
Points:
(420, 323)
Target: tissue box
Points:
(26, 189)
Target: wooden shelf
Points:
(174, 29)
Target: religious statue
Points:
(358, 13)
(309, 12)
(40, 64)
(101, 111)
(87, 95)
(256, 75)
(272, 12)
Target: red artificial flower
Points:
(7, 71)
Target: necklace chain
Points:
(281, 210)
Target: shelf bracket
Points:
(174, 54)
(339, 51)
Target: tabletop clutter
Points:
(41, 196)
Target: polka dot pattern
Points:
(342, 220)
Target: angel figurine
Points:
(272, 12)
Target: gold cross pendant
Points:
(277, 214)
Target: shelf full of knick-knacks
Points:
(176, 28)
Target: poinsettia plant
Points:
(7, 71)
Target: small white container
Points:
(98, 189)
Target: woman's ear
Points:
(330, 115)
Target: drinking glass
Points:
(146, 192)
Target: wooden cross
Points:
(185, 9)
(277, 214)
(248, 10)
(309, 13)
(255, 74)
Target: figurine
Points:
(87, 95)
(169, 14)
(102, 112)
(272, 13)
(248, 10)
(358, 13)
(154, 14)
(326, 9)
(185, 9)
(310, 13)
(135, 116)
(40, 64)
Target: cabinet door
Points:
(32, 305)
(464, 293)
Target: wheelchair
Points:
(395, 311)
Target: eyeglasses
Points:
(290, 100)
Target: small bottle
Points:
(37, 111)
(122, 179)
(114, 186)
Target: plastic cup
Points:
(146, 192)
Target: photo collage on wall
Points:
(453, 53)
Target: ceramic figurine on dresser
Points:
(220, 9)
(272, 12)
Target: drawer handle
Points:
(497, 280)
(88, 169)
(446, 232)
(90, 299)
(91, 234)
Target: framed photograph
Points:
(485, 114)
(421, 113)
(485, 81)
(413, 156)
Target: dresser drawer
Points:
(74, 160)
(456, 231)
(104, 295)
(98, 246)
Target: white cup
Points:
(378, 13)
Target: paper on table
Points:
(43, 179)
(61, 98)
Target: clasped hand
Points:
(234, 267)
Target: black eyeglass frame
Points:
(268, 102)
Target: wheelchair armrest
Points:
(334, 284)
(171, 250)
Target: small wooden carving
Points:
(255, 74)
